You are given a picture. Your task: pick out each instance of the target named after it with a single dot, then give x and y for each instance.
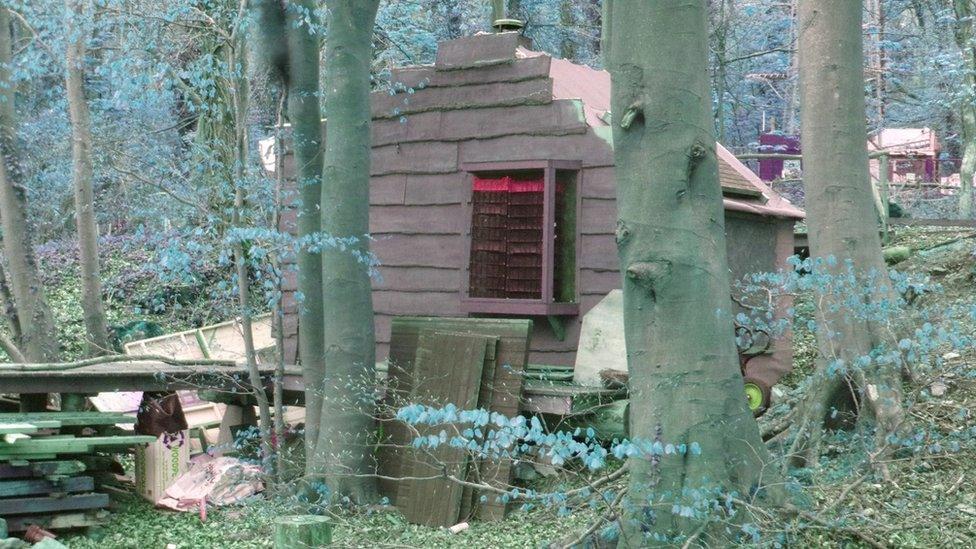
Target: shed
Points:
(493, 194)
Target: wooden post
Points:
(883, 172)
(302, 532)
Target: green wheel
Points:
(757, 395)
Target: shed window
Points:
(522, 238)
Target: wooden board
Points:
(447, 369)
(57, 522)
(512, 357)
(476, 470)
(67, 445)
(128, 376)
(41, 469)
(53, 420)
(30, 487)
(28, 506)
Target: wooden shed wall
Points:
(417, 219)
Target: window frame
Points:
(546, 305)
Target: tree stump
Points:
(302, 531)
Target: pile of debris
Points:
(50, 468)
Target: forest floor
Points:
(929, 500)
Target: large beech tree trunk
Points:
(39, 341)
(966, 40)
(840, 216)
(96, 326)
(346, 427)
(685, 384)
(290, 49)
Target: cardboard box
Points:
(158, 464)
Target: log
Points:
(896, 254)
(302, 531)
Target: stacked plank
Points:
(471, 363)
(48, 478)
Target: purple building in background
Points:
(776, 143)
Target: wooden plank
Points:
(41, 469)
(437, 251)
(414, 158)
(502, 94)
(587, 148)
(469, 497)
(66, 419)
(560, 117)
(417, 279)
(447, 369)
(514, 338)
(27, 506)
(30, 487)
(17, 428)
(61, 521)
(428, 77)
(436, 189)
(483, 50)
(416, 303)
(447, 219)
(78, 445)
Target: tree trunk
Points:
(966, 40)
(793, 91)
(39, 340)
(685, 383)
(291, 51)
(346, 429)
(841, 218)
(240, 90)
(96, 326)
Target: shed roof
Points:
(905, 141)
(592, 87)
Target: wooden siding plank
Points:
(387, 189)
(412, 220)
(414, 158)
(482, 50)
(561, 117)
(417, 279)
(586, 148)
(598, 216)
(429, 77)
(416, 303)
(501, 94)
(598, 252)
(436, 189)
(439, 251)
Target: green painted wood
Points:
(66, 419)
(38, 505)
(30, 487)
(17, 428)
(69, 445)
(3, 529)
(302, 532)
(470, 496)
(447, 369)
(41, 469)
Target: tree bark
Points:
(291, 51)
(346, 429)
(966, 40)
(685, 383)
(96, 327)
(240, 90)
(841, 219)
(39, 341)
